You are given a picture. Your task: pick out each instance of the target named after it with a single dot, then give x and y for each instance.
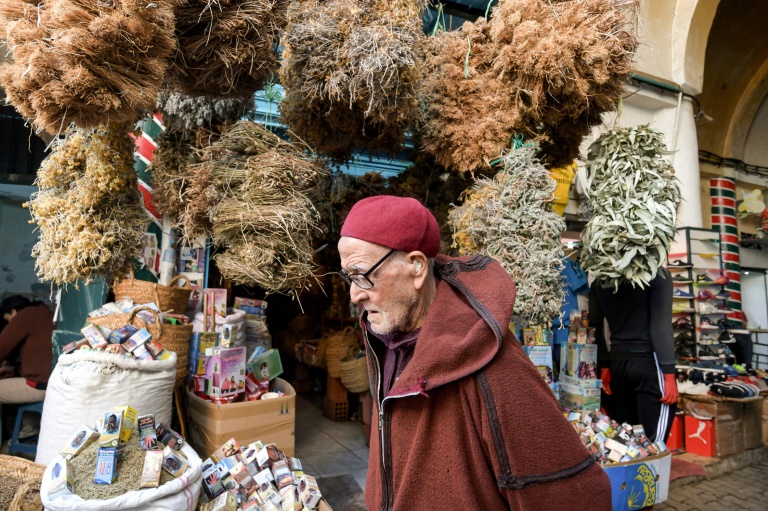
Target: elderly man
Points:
(464, 420)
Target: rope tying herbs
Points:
(509, 218)
(633, 195)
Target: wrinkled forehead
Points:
(359, 255)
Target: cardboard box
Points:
(700, 436)
(271, 421)
(676, 439)
(587, 383)
(641, 483)
(582, 361)
(578, 398)
(753, 423)
(727, 426)
(541, 356)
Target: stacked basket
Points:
(20, 488)
(339, 346)
(167, 298)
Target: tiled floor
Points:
(328, 448)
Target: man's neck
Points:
(428, 296)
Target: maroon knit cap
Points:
(401, 223)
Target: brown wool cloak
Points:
(470, 424)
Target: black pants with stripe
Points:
(637, 384)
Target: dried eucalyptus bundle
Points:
(84, 62)
(633, 195)
(546, 70)
(192, 112)
(88, 210)
(226, 48)
(509, 217)
(350, 69)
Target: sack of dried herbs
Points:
(633, 196)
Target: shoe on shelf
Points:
(723, 295)
(683, 310)
(682, 323)
(721, 307)
(685, 351)
(681, 279)
(726, 338)
(682, 295)
(704, 280)
(679, 264)
(740, 369)
(706, 324)
(725, 323)
(685, 338)
(705, 294)
(707, 308)
(722, 280)
(707, 339)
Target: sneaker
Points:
(680, 294)
(683, 310)
(707, 339)
(685, 338)
(740, 370)
(682, 324)
(679, 263)
(723, 295)
(681, 279)
(726, 338)
(684, 351)
(722, 280)
(704, 294)
(706, 324)
(725, 323)
(704, 280)
(721, 307)
(707, 308)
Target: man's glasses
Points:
(361, 280)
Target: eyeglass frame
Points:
(346, 277)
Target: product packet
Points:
(169, 437)
(266, 366)
(268, 456)
(84, 436)
(129, 421)
(116, 349)
(230, 448)
(140, 352)
(111, 428)
(226, 369)
(251, 451)
(225, 502)
(173, 462)
(153, 466)
(309, 493)
(290, 498)
(137, 339)
(155, 349)
(147, 433)
(94, 336)
(106, 466)
(212, 479)
(281, 471)
(228, 336)
(121, 334)
(74, 346)
(61, 480)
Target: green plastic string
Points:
(439, 21)
(466, 59)
(488, 9)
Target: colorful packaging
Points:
(129, 421)
(155, 348)
(94, 336)
(250, 452)
(228, 336)
(147, 433)
(198, 345)
(61, 480)
(226, 369)
(230, 448)
(121, 334)
(74, 346)
(290, 498)
(309, 493)
(582, 361)
(225, 502)
(116, 349)
(240, 474)
(78, 442)
(271, 496)
(153, 466)
(255, 388)
(251, 306)
(110, 430)
(212, 479)
(214, 305)
(106, 466)
(140, 352)
(281, 471)
(266, 366)
(173, 462)
(268, 456)
(169, 437)
(139, 338)
(541, 356)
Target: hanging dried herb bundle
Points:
(258, 206)
(350, 69)
(633, 195)
(226, 48)
(509, 218)
(88, 210)
(84, 62)
(192, 112)
(535, 67)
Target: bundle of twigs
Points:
(546, 70)
(350, 69)
(509, 218)
(226, 48)
(84, 62)
(88, 210)
(193, 112)
(256, 199)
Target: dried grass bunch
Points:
(541, 69)
(259, 209)
(350, 70)
(192, 112)
(510, 218)
(88, 210)
(226, 48)
(85, 62)
(633, 195)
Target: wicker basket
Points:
(338, 347)
(354, 374)
(174, 338)
(167, 298)
(22, 478)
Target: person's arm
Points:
(11, 336)
(662, 337)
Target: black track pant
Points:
(637, 384)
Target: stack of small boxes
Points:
(537, 344)
(579, 383)
(256, 477)
(112, 434)
(611, 442)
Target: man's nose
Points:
(356, 293)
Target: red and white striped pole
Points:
(723, 197)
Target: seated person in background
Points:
(30, 329)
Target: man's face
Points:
(392, 301)
(8, 315)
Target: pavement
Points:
(742, 489)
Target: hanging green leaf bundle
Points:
(350, 68)
(88, 210)
(509, 217)
(546, 70)
(633, 196)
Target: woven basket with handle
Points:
(338, 347)
(20, 484)
(354, 373)
(173, 337)
(167, 298)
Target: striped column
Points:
(143, 155)
(723, 194)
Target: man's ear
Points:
(419, 267)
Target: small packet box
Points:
(266, 366)
(173, 462)
(106, 466)
(212, 479)
(228, 336)
(122, 334)
(111, 428)
(281, 471)
(78, 442)
(116, 349)
(309, 493)
(153, 466)
(129, 421)
(74, 346)
(169, 437)
(94, 336)
(268, 456)
(230, 448)
(141, 352)
(155, 349)
(61, 480)
(227, 371)
(290, 497)
(141, 337)
(225, 502)
(147, 432)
